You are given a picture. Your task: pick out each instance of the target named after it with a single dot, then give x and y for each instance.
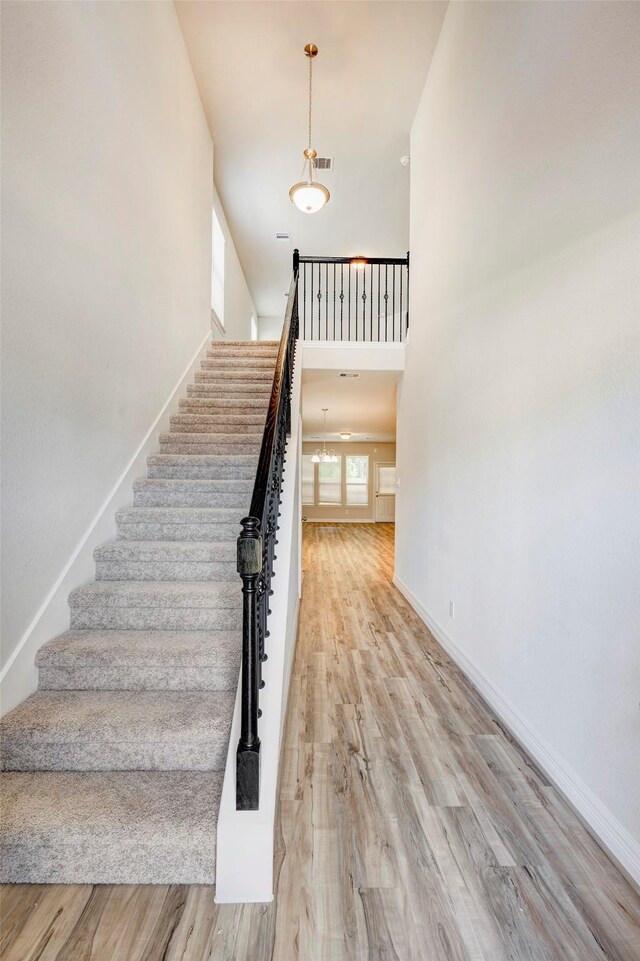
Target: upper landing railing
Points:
(364, 299)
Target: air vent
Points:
(284, 237)
(346, 374)
(323, 163)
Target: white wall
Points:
(106, 234)
(270, 328)
(520, 405)
(238, 303)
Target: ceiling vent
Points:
(349, 374)
(323, 163)
(284, 237)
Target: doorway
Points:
(384, 477)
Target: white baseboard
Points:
(19, 676)
(598, 819)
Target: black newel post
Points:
(248, 754)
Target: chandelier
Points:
(309, 195)
(324, 456)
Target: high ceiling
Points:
(252, 74)
(365, 406)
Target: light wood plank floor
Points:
(411, 827)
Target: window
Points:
(308, 480)
(330, 483)
(387, 479)
(217, 268)
(357, 479)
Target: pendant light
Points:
(324, 456)
(309, 195)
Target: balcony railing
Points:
(364, 299)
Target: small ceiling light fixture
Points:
(359, 263)
(322, 455)
(309, 195)
(345, 434)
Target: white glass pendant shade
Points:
(309, 197)
(315, 458)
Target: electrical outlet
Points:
(452, 610)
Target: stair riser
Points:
(28, 755)
(213, 439)
(211, 424)
(188, 499)
(215, 449)
(149, 571)
(258, 379)
(206, 386)
(216, 362)
(137, 677)
(149, 618)
(198, 472)
(224, 405)
(178, 532)
(240, 357)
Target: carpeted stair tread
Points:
(212, 438)
(173, 648)
(263, 367)
(157, 560)
(219, 423)
(193, 493)
(245, 344)
(225, 406)
(202, 466)
(179, 523)
(118, 730)
(206, 385)
(202, 552)
(141, 660)
(133, 827)
(257, 378)
(189, 594)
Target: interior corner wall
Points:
(106, 265)
(270, 328)
(520, 403)
(238, 302)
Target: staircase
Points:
(114, 767)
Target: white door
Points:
(385, 490)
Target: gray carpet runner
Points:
(113, 769)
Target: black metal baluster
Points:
(355, 306)
(326, 303)
(311, 301)
(349, 303)
(386, 298)
(393, 301)
(334, 301)
(341, 296)
(319, 299)
(378, 303)
(371, 304)
(364, 303)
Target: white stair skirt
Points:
(244, 868)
